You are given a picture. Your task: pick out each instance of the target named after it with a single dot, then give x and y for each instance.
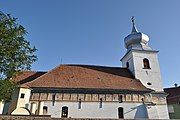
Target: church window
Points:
(149, 83)
(22, 95)
(120, 112)
(127, 65)
(100, 104)
(64, 112)
(146, 63)
(120, 98)
(53, 99)
(79, 104)
(45, 109)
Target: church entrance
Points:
(64, 113)
(120, 112)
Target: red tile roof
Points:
(27, 76)
(87, 76)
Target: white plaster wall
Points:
(24, 102)
(152, 75)
(1, 106)
(158, 112)
(163, 111)
(92, 110)
(128, 58)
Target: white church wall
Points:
(158, 112)
(19, 100)
(163, 111)
(24, 102)
(128, 58)
(93, 110)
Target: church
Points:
(88, 91)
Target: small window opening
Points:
(53, 99)
(100, 104)
(120, 98)
(127, 65)
(146, 63)
(79, 104)
(149, 83)
(45, 109)
(22, 95)
(64, 112)
(120, 112)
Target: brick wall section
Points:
(8, 117)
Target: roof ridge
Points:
(93, 65)
(32, 71)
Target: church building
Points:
(88, 91)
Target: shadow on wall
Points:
(141, 111)
(6, 108)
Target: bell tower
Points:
(141, 59)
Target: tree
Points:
(16, 54)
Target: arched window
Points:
(45, 109)
(146, 63)
(64, 113)
(120, 112)
(127, 65)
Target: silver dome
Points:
(136, 40)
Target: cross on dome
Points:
(132, 19)
(134, 29)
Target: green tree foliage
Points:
(6, 88)
(16, 54)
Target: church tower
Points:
(142, 60)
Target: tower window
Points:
(146, 63)
(149, 83)
(127, 65)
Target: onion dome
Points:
(136, 40)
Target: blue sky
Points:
(93, 31)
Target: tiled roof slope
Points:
(173, 95)
(26, 76)
(88, 76)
